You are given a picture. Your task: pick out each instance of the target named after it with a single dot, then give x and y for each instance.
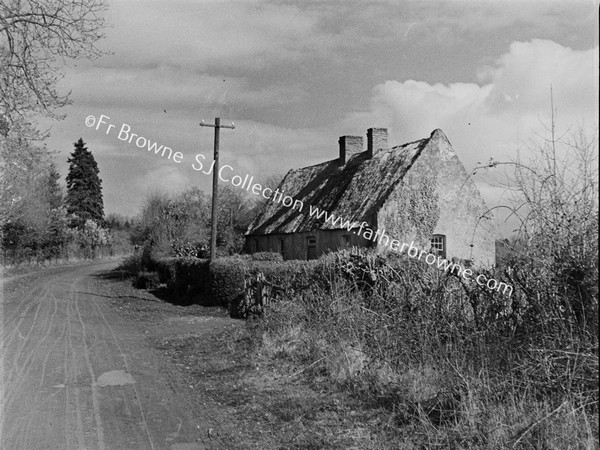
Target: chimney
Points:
(349, 145)
(376, 139)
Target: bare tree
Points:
(555, 198)
(34, 36)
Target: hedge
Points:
(273, 279)
(187, 277)
(232, 282)
(228, 281)
(290, 276)
(266, 256)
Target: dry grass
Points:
(431, 377)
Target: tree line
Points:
(179, 224)
(38, 220)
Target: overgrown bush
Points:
(146, 280)
(165, 267)
(190, 248)
(227, 282)
(288, 276)
(266, 256)
(435, 351)
(187, 278)
(192, 280)
(268, 281)
(131, 265)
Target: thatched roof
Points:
(354, 191)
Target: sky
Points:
(295, 75)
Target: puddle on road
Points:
(114, 378)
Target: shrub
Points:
(289, 276)
(190, 248)
(186, 277)
(227, 282)
(165, 267)
(265, 281)
(132, 265)
(267, 256)
(146, 280)
(192, 279)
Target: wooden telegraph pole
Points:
(214, 216)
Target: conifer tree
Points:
(53, 192)
(84, 187)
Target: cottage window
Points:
(255, 245)
(282, 248)
(346, 239)
(438, 245)
(311, 247)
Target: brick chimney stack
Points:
(349, 145)
(376, 139)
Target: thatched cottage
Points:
(417, 193)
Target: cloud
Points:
(255, 34)
(162, 86)
(494, 118)
(292, 70)
(261, 149)
(527, 71)
(488, 119)
(210, 32)
(168, 176)
(412, 109)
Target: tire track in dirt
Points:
(21, 366)
(38, 400)
(127, 369)
(59, 337)
(86, 354)
(32, 353)
(70, 385)
(30, 357)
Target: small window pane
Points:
(438, 245)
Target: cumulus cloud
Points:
(527, 71)
(494, 118)
(488, 119)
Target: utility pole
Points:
(214, 216)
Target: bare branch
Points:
(33, 36)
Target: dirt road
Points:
(77, 375)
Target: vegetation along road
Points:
(77, 374)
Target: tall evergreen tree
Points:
(84, 187)
(54, 194)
